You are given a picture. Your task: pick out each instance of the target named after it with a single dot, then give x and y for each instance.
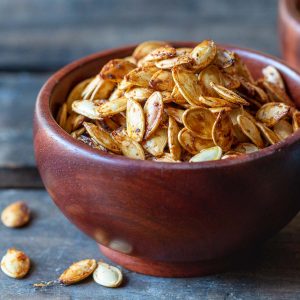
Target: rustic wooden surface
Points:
(37, 37)
(53, 243)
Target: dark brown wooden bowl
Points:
(167, 219)
(289, 31)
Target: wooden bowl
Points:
(167, 219)
(289, 31)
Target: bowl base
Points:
(173, 269)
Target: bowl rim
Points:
(44, 115)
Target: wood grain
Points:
(53, 243)
(17, 98)
(42, 35)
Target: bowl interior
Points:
(61, 83)
(91, 65)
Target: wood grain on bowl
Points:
(156, 217)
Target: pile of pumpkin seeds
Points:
(175, 105)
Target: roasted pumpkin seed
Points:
(135, 120)
(16, 214)
(175, 113)
(162, 81)
(246, 148)
(191, 142)
(167, 64)
(249, 128)
(269, 134)
(76, 93)
(200, 121)
(222, 131)
(156, 144)
(145, 48)
(173, 143)
(204, 53)
(283, 129)
(153, 109)
(107, 275)
(139, 94)
(86, 108)
(213, 153)
(296, 120)
(186, 82)
(112, 107)
(78, 271)
(116, 69)
(161, 53)
(228, 94)
(272, 75)
(272, 112)
(15, 263)
(101, 137)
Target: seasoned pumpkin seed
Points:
(101, 137)
(191, 142)
(112, 107)
(204, 53)
(272, 75)
(173, 143)
(169, 63)
(162, 81)
(135, 120)
(153, 109)
(175, 113)
(15, 263)
(107, 275)
(228, 94)
(187, 84)
(16, 214)
(161, 53)
(249, 128)
(222, 131)
(296, 120)
(200, 121)
(283, 129)
(213, 153)
(132, 149)
(145, 48)
(78, 271)
(86, 108)
(116, 69)
(269, 134)
(76, 93)
(139, 94)
(156, 144)
(246, 148)
(272, 112)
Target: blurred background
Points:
(41, 35)
(37, 37)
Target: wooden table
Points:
(37, 37)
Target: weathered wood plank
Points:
(17, 98)
(53, 243)
(42, 35)
(21, 177)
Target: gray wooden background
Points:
(39, 36)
